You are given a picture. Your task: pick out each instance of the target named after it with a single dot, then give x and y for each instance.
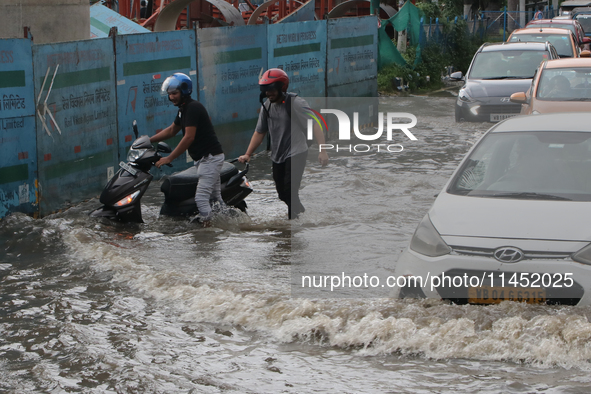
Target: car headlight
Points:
(465, 97)
(426, 240)
(135, 154)
(583, 256)
(127, 199)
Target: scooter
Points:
(122, 195)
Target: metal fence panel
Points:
(352, 51)
(367, 88)
(144, 61)
(76, 130)
(300, 50)
(18, 160)
(230, 62)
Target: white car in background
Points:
(513, 222)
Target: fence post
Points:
(422, 32)
(504, 23)
(437, 30)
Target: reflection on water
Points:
(165, 307)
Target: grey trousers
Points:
(209, 187)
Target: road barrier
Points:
(66, 108)
(18, 149)
(144, 61)
(230, 62)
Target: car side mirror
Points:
(519, 98)
(586, 40)
(163, 147)
(458, 76)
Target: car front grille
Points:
(527, 254)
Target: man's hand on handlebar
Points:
(162, 162)
(244, 158)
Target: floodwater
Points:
(164, 307)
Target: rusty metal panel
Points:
(144, 61)
(304, 13)
(169, 15)
(230, 62)
(18, 160)
(102, 19)
(352, 52)
(76, 120)
(300, 50)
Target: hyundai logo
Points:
(508, 255)
(505, 99)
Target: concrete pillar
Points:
(555, 7)
(467, 9)
(402, 41)
(49, 20)
(522, 13)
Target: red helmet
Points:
(274, 78)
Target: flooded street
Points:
(165, 307)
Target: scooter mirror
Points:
(163, 147)
(135, 129)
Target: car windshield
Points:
(561, 42)
(561, 84)
(585, 21)
(528, 165)
(513, 64)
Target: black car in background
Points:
(497, 71)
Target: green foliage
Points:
(451, 8)
(460, 45)
(426, 75)
(456, 49)
(431, 10)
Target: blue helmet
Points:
(177, 81)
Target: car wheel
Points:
(459, 116)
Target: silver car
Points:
(513, 222)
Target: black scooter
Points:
(122, 194)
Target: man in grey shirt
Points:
(289, 151)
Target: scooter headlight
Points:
(135, 154)
(127, 199)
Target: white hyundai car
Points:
(513, 222)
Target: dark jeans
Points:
(288, 177)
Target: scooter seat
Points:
(183, 184)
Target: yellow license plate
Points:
(494, 295)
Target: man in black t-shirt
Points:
(199, 140)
